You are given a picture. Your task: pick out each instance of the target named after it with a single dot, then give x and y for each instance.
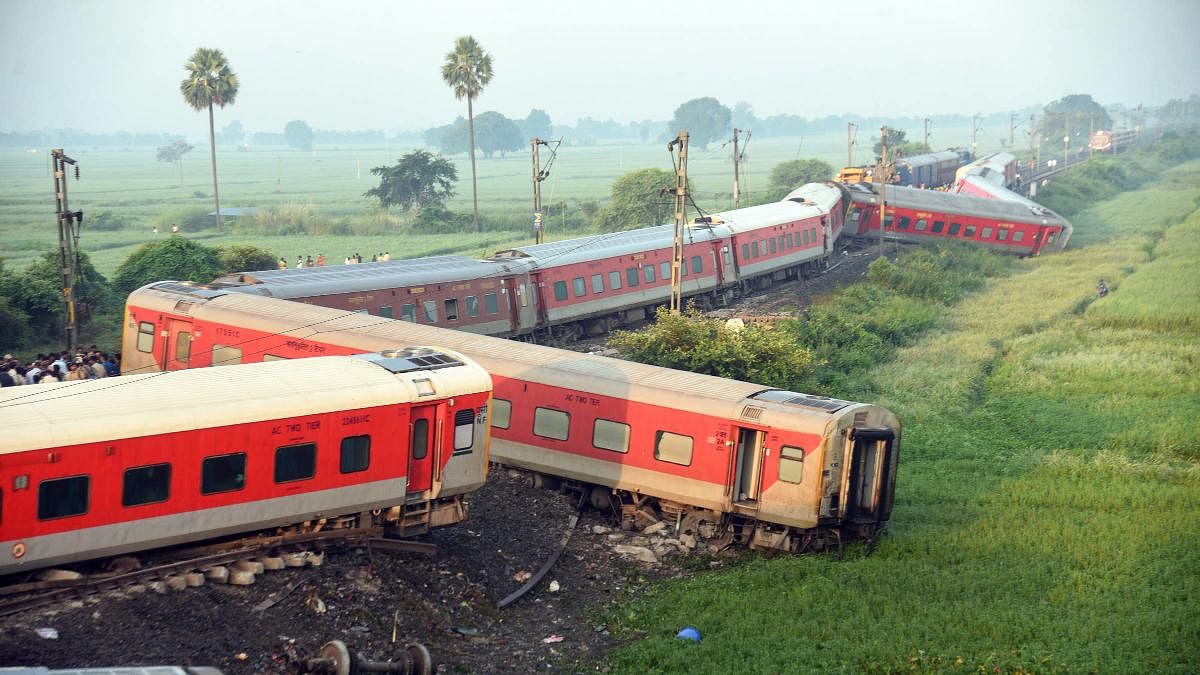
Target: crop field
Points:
(141, 192)
(1048, 488)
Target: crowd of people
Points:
(319, 261)
(84, 364)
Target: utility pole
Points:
(1091, 131)
(538, 177)
(884, 176)
(1012, 127)
(849, 143)
(974, 135)
(737, 195)
(1066, 139)
(681, 142)
(927, 121)
(68, 242)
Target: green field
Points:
(1048, 494)
(133, 186)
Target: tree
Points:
(299, 135)
(536, 125)
(174, 152)
(705, 120)
(895, 137)
(690, 341)
(209, 81)
(233, 133)
(37, 293)
(419, 178)
(639, 199)
(174, 258)
(497, 133)
(467, 70)
(450, 139)
(1075, 116)
(743, 115)
(244, 257)
(787, 176)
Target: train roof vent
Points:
(751, 412)
(410, 359)
(186, 289)
(184, 307)
(821, 403)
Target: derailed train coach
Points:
(730, 460)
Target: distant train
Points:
(97, 468)
(1112, 141)
(759, 466)
(928, 170)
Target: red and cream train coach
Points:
(768, 468)
(97, 468)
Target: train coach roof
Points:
(91, 411)
(586, 249)
(625, 380)
(949, 202)
(800, 204)
(311, 281)
(928, 158)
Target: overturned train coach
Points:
(98, 468)
(588, 285)
(722, 458)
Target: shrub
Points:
(105, 221)
(174, 258)
(244, 257)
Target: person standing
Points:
(308, 261)
(299, 261)
(282, 263)
(320, 260)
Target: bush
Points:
(174, 258)
(244, 257)
(189, 219)
(433, 218)
(105, 221)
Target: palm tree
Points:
(209, 80)
(468, 69)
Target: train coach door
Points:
(869, 481)
(425, 434)
(177, 348)
(748, 466)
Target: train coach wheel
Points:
(339, 656)
(422, 662)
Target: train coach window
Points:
(608, 435)
(804, 236)
(431, 313)
(938, 226)
(549, 423)
(664, 270)
(922, 224)
(464, 431)
(491, 304)
(356, 454)
(985, 233)
(772, 244)
(745, 251)
(648, 273)
(697, 265)
(501, 413)
(954, 228)
(815, 238)
(1002, 234)
(295, 462)
(408, 312)
(1018, 236)
(145, 338)
(888, 219)
(472, 306)
(855, 214)
(223, 473)
(790, 244)
(62, 497)
(451, 309)
(224, 355)
(791, 464)
(969, 231)
(183, 346)
(754, 249)
(146, 485)
(578, 287)
(614, 280)
(386, 312)
(420, 439)
(631, 276)
(597, 283)
(560, 290)
(673, 448)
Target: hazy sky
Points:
(116, 65)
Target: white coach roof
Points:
(90, 411)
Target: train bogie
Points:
(99, 468)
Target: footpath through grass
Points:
(1048, 496)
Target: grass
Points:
(1048, 492)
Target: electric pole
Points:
(737, 195)
(974, 135)
(680, 142)
(849, 143)
(68, 242)
(927, 121)
(538, 177)
(1066, 139)
(1091, 131)
(884, 176)
(1012, 127)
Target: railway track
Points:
(197, 565)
